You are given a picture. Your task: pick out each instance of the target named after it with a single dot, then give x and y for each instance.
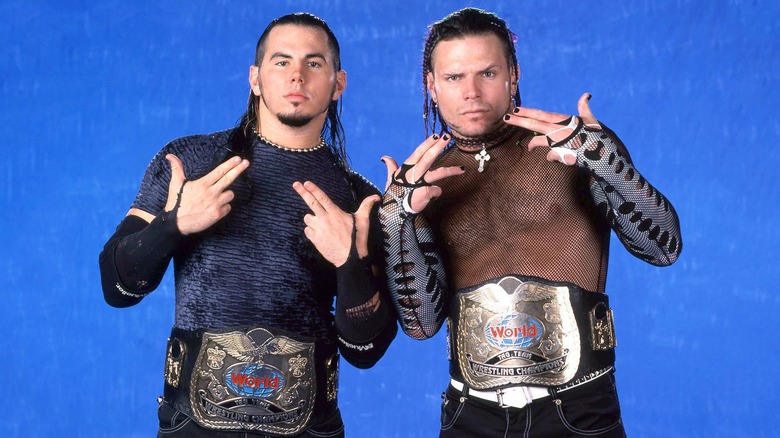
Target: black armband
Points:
(364, 322)
(360, 310)
(355, 284)
(367, 353)
(135, 258)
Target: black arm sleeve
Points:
(364, 320)
(135, 258)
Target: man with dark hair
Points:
(255, 346)
(510, 247)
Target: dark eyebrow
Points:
(318, 56)
(451, 73)
(308, 56)
(461, 74)
(490, 67)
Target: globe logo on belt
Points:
(515, 330)
(254, 380)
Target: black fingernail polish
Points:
(446, 137)
(507, 117)
(516, 110)
(462, 167)
(589, 96)
(435, 137)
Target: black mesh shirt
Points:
(523, 215)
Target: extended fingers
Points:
(233, 174)
(227, 172)
(532, 124)
(444, 172)
(315, 198)
(537, 114)
(177, 168)
(392, 167)
(545, 122)
(432, 153)
(583, 107)
(424, 161)
(365, 207)
(308, 197)
(414, 169)
(176, 184)
(361, 225)
(423, 148)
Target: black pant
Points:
(587, 410)
(174, 424)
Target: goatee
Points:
(294, 120)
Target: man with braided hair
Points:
(255, 346)
(500, 226)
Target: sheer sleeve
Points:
(641, 216)
(415, 272)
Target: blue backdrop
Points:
(91, 90)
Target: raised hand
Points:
(330, 228)
(557, 130)
(204, 201)
(415, 173)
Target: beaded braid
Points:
(467, 21)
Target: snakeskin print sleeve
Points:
(643, 219)
(415, 273)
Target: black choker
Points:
(493, 139)
(284, 148)
(485, 143)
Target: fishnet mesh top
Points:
(523, 215)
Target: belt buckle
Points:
(513, 401)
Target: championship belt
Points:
(253, 380)
(524, 332)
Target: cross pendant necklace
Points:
(482, 156)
